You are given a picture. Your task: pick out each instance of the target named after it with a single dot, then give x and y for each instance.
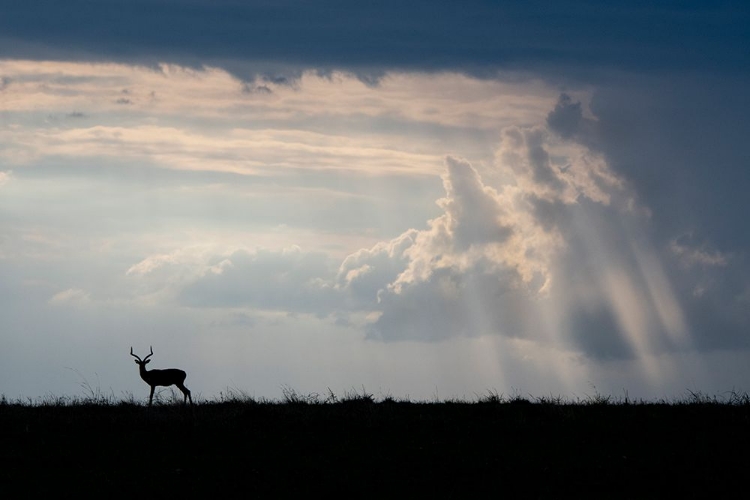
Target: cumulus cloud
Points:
(478, 251)
(367, 272)
(556, 250)
(511, 227)
(474, 223)
(485, 265)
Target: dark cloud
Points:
(248, 88)
(719, 312)
(566, 117)
(549, 213)
(476, 36)
(681, 143)
(539, 160)
(596, 332)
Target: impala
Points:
(170, 376)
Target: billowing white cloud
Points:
(366, 272)
(554, 251)
(511, 227)
(486, 253)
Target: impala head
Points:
(142, 362)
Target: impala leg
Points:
(151, 396)
(185, 392)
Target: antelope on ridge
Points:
(167, 377)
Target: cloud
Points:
(250, 38)
(489, 261)
(5, 177)
(549, 244)
(150, 264)
(558, 250)
(212, 92)
(289, 280)
(366, 273)
(566, 118)
(478, 251)
(451, 303)
(249, 88)
(71, 296)
(691, 255)
(480, 224)
(680, 147)
(678, 142)
(333, 123)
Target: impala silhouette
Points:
(170, 376)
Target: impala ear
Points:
(147, 362)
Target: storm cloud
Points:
(479, 37)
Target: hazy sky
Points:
(426, 200)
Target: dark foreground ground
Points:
(366, 449)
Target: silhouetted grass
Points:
(360, 445)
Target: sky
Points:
(423, 200)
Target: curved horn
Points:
(136, 357)
(152, 353)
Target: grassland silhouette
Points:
(365, 447)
